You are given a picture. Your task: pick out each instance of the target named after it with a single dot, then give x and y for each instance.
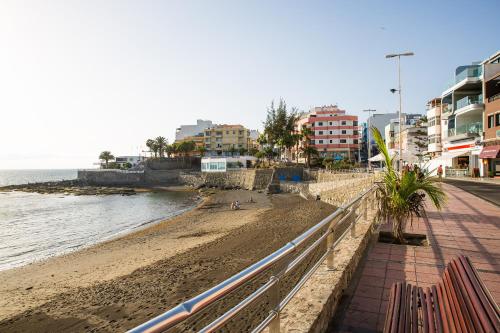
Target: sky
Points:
(80, 77)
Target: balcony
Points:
(469, 100)
(467, 130)
(469, 72)
(465, 79)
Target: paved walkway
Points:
(467, 225)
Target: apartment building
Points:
(462, 120)
(335, 134)
(226, 140)
(434, 127)
(414, 142)
(192, 130)
(491, 88)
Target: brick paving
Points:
(467, 225)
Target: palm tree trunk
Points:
(397, 230)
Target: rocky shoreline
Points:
(70, 187)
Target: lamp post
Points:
(368, 137)
(399, 55)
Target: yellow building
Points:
(226, 140)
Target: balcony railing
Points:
(447, 108)
(468, 100)
(472, 128)
(468, 72)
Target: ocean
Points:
(37, 226)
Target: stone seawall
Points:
(250, 179)
(111, 177)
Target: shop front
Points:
(491, 160)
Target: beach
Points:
(119, 284)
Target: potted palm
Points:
(401, 196)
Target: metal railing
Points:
(280, 263)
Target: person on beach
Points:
(440, 172)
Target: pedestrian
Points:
(440, 172)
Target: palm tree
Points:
(309, 151)
(106, 156)
(161, 143)
(401, 196)
(150, 143)
(170, 149)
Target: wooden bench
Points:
(459, 302)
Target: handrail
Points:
(190, 307)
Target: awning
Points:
(451, 154)
(489, 152)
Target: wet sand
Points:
(119, 284)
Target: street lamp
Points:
(368, 137)
(399, 55)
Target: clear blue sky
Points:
(79, 77)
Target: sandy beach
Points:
(116, 285)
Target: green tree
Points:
(279, 126)
(401, 196)
(186, 147)
(202, 150)
(161, 143)
(106, 156)
(242, 151)
(151, 144)
(253, 151)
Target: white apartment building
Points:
(192, 130)
(434, 147)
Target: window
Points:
(330, 123)
(490, 121)
(343, 141)
(355, 132)
(344, 132)
(234, 132)
(355, 123)
(355, 141)
(497, 119)
(344, 122)
(331, 132)
(227, 132)
(331, 141)
(320, 123)
(320, 141)
(320, 132)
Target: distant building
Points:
(414, 143)
(335, 134)
(434, 127)
(226, 140)
(134, 161)
(192, 130)
(491, 86)
(223, 164)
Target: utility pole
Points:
(369, 137)
(399, 55)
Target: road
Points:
(487, 191)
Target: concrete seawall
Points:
(250, 179)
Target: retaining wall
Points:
(111, 177)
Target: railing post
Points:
(329, 247)
(365, 207)
(274, 294)
(353, 221)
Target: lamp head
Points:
(393, 90)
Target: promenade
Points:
(467, 224)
